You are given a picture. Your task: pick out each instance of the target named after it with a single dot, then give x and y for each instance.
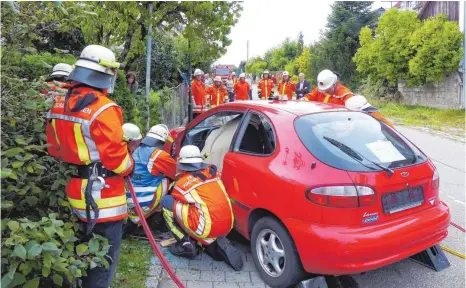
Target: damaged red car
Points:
(320, 189)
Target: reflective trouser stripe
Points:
(55, 131)
(203, 229)
(83, 151)
(103, 212)
(169, 219)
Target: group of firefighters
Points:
(85, 128)
(329, 90)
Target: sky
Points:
(284, 18)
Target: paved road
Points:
(449, 158)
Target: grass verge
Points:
(133, 264)
(445, 120)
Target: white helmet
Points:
(326, 79)
(266, 72)
(218, 78)
(92, 54)
(198, 72)
(131, 132)
(190, 159)
(285, 73)
(159, 131)
(61, 69)
(233, 74)
(357, 103)
(242, 75)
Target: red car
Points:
(318, 188)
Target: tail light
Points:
(435, 179)
(342, 196)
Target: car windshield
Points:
(355, 141)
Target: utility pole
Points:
(190, 101)
(148, 61)
(247, 55)
(463, 102)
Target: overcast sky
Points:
(282, 18)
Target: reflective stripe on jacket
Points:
(339, 97)
(265, 86)
(241, 90)
(203, 207)
(151, 166)
(87, 136)
(198, 96)
(287, 88)
(218, 95)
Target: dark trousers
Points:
(250, 94)
(99, 277)
(231, 95)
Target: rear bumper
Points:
(337, 250)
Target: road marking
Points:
(445, 164)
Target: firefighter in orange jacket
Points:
(86, 130)
(359, 103)
(265, 86)
(199, 208)
(198, 94)
(286, 87)
(242, 88)
(218, 93)
(56, 83)
(329, 89)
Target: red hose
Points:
(151, 238)
(457, 226)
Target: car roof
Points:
(295, 107)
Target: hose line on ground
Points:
(149, 235)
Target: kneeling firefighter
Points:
(153, 170)
(85, 130)
(199, 210)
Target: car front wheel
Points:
(274, 254)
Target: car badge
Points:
(404, 174)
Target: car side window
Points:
(259, 136)
(198, 134)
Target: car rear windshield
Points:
(355, 141)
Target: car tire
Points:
(263, 255)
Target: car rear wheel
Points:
(274, 254)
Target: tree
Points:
(404, 48)
(303, 63)
(300, 43)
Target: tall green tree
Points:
(300, 43)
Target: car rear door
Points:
(246, 168)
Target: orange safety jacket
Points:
(202, 207)
(82, 136)
(287, 88)
(265, 86)
(339, 97)
(198, 95)
(377, 115)
(242, 90)
(218, 95)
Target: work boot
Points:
(229, 253)
(184, 248)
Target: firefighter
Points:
(199, 210)
(329, 89)
(218, 93)
(198, 93)
(153, 170)
(286, 87)
(265, 86)
(359, 103)
(56, 83)
(242, 88)
(86, 130)
(132, 136)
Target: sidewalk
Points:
(203, 272)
